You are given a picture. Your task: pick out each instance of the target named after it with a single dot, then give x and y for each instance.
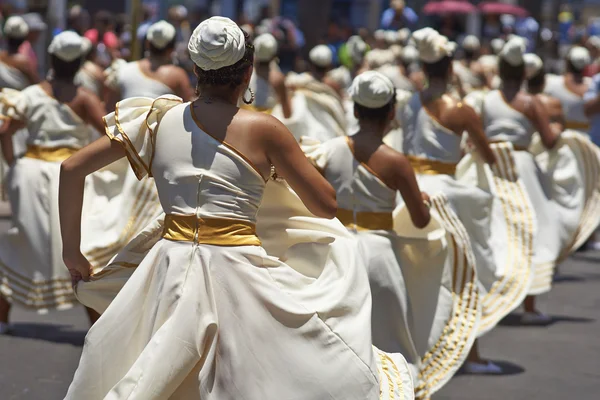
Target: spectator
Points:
(78, 20)
(104, 38)
(398, 16)
(36, 27)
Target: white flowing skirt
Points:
(425, 299)
(211, 322)
(116, 207)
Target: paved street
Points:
(557, 362)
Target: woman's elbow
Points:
(327, 207)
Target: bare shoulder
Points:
(277, 78)
(260, 122)
(394, 158)
(87, 96)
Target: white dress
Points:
(265, 97)
(31, 266)
(86, 78)
(425, 298)
(556, 221)
(317, 110)
(210, 313)
(572, 103)
(487, 201)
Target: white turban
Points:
(160, 34)
(471, 43)
(379, 34)
(69, 46)
(391, 37)
(341, 76)
(378, 57)
(432, 45)
(321, 56)
(265, 47)
(16, 28)
(513, 51)
(533, 65)
(356, 48)
(409, 55)
(217, 43)
(403, 35)
(594, 41)
(579, 57)
(497, 45)
(372, 89)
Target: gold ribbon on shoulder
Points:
(365, 221)
(213, 231)
(50, 154)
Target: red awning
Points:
(449, 7)
(495, 7)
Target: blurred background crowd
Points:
(552, 26)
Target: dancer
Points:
(152, 76)
(469, 70)
(433, 125)
(429, 330)
(91, 75)
(206, 295)
(16, 72)
(56, 114)
(570, 88)
(317, 109)
(268, 82)
(511, 115)
(574, 159)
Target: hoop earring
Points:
(252, 97)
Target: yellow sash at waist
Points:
(366, 221)
(214, 231)
(50, 154)
(251, 107)
(426, 166)
(578, 126)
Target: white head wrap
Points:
(69, 46)
(513, 51)
(533, 65)
(16, 28)
(396, 50)
(579, 57)
(356, 48)
(371, 89)
(403, 35)
(379, 57)
(379, 34)
(594, 41)
(432, 45)
(321, 56)
(391, 37)
(265, 47)
(497, 45)
(409, 55)
(217, 43)
(341, 76)
(160, 34)
(471, 43)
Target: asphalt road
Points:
(556, 362)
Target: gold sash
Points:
(577, 126)
(50, 154)
(426, 166)
(214, 231)
(366, 221)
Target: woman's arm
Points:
(278, 83)
(6, 133)
(473, 125)
(70, 198)
(406, 184)
(285, 154)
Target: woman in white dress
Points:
(268, 82)
(512, 116)
(91, 75)
(424, 297)
(152, 76)
(433, 125)
(208, 314)
(57, 114)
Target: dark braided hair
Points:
(375, 114)
(232, 75)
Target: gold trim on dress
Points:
(213, 231)
(577, 125)
(426, 166)
(365, 221)
(50, 154)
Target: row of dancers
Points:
(324, 234)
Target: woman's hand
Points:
(79, 267)
(426, 199)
